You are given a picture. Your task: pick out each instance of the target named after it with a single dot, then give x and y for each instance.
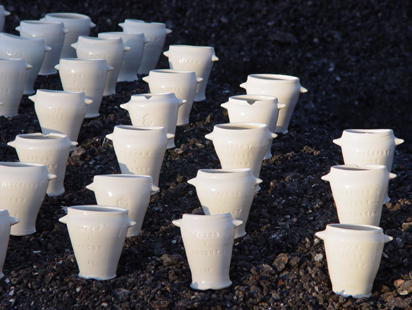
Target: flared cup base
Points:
(96, 277)
(210, 286)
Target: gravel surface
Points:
(352, 56)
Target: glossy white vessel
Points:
(208, 242)
(97, 235)
(133, 58)
(22, 191)
(182, 83)
(85, 75)
(159, 110)
(127, 191)
(368, 146)
(13, 75)
(77, 24)
(111, 49)
(53, 35)
(254, 109)
(51, 150)
(353, 253)
(6, 221)
(241, 145)
(30, 49)
(284, 87)
(60, 111)
(193, 58)
(140, 150)
(156, 33)
(227, 191)
(359, 192)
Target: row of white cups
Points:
(359, 191)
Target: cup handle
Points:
(387, 238)
(146, 79)
(6, 13)
(47, 48)
(28, 66)
(183, 101)
(243, 85)
(65, 30)
(63, 219)
(73, 143)
(392, 176)
(74, 45)
(123, 106)
(12, 143)
(168, 31)
(109, 68)
(57, 67)
(321, 234)
(90, 187)
(170, 136)
(126, 48)
(88, 101)
(258, 181)
(225, 105)
(338, 141)
(272, 136)
(51, 176)
(155, 189)
(32, 98)
(18, 28)
(166, 54)
(303, 90)
(131, 223)
(177, 223)
(146, 40)
(192, 182)
(209, 136)
(198, 80)
(399, 141)
(13, 220)
(109, 136)
(237, 223)
(92, 25)
(214, 58)
(281, 106)
(121, 25)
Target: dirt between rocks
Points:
(354, 58)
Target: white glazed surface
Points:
(254, 109)
(285, 87)
(60, 111)
(193, 58)
(22, 192)
(127, 191)
(97, 235)
(353, 254)
(208, 242)
(53, 35)
(51, 150)
(181, 83)
(241, 145)
(133, 58)
(359, 192)
(6, 221)
(159, 110)
(140, 150)
(30, 49)
(156, 33)
(85, 75)
(226, 190)
(13, 73)
(77, 24)
(111, 49)
(368, 146)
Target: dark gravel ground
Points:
(354, 58)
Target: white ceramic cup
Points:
(53, 35)
(111, 49)
(156, 33)
(97, 235)
(77, 24)
(12, 75)
(133, 58)
(227, 190)
(127, 191)
(159, 110)
(193, 58)
(85, 75)
(60, 111)
(353, 253)
(3, 14)
(140, 150)
(30, 49)
(254, 109)
(208, 242)
(285, 87)
(51, 150)
(241, 145)
(22, 191)
(6, 221)
(368, 146)
(182, 83)
(359, 192)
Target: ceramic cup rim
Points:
(102, 209)
(18, 164)
(139, 22)
(172, 71)
(120, 34)
(18, 38)
(83, 60)
(368, 133)
(59, 92)
(359, 169)
(121, 178)
(131, 128)
(98, 40)
(236, 126)
(354, 228)
(153, 95)
(68, 15)
(277, 78)
(211, 217)
(39, 137)
(256, 97)
(42, 22)
(195, 48)
(224, 173)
